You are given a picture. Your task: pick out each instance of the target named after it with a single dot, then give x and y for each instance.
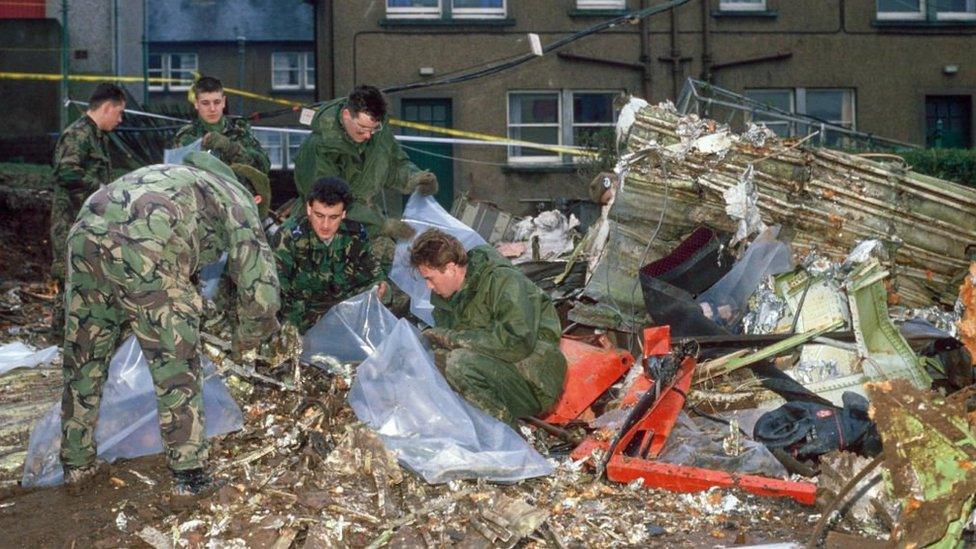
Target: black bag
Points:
(807, 430)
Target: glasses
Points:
(365, 129)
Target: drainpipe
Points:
(116, 32)
(240, 73)
(145, 54)
(645, 54)
(706, 56)
(64, 63)
(675, 55)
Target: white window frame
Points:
(308, 71)
(738, 5)
(570, 135)
(552, 158)
(479, 13)
(166, 71)
(399, 12)
(798, 106)
(305, 63)
(601, 4)
(151, 73)
(969, 15)
(286, 138)
(902, 15)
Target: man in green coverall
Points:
(82, 165)
(497, 333)
(352, 140)
(323, 258)
(133, 254)
(230, 140)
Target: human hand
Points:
(397, 229)
(425, 183)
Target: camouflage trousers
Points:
(110, 289)
(383, 250)
(64, 209)
(496, 387)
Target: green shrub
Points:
(956, 165)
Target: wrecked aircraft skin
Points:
(827, 200)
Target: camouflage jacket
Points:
(81, 160)
(315, 275)
(177, 219)
(238, 131)
(369, 168)
(500, 313)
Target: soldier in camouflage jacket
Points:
(322, 257)
(133, 253)
(81, 166)
(230, 140)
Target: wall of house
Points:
(836, 44)
(29, 45)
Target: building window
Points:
(172, 66)
(921, 10)
(447, 9)
(831, 106)
(742, 5)
(567, 117)
(281, 145)
(601, 4)
(292, 71)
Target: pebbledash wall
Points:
(903, 74)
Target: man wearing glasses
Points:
(351, 141)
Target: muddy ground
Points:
(307, 480)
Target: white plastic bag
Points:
(175, 155)
(351, 330)
(18, 355)
(432, 430)
(128, 424)
(422, 213)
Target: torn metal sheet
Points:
(870, 509)
(829, 200)
(930, 452)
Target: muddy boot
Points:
(191, 485)
(78, 479)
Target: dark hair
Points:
(330, 191)
(207, 84)
(367, 99)
(435, 249)
(106, 91)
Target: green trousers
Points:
(109, 289)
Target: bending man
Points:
(133, 253)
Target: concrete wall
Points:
(833, 43)
(29, 45)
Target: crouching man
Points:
(322, 257)
(497, 334)
(132, 256)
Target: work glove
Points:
(438, 338)
(397, 230)
(221, 143)
(424, 183)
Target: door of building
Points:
(948, 121)
(435, 157)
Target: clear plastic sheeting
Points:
(128, 424)
(350, 331)
(423, 213)
(711, 445)
(432, 430)
(19, 355)
(726, 302)
(175, 156)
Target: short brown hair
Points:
(435, 249)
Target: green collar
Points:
(217, 127)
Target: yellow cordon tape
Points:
(234, 91)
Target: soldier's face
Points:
(443, 282)
(109, 115)
(210, 106)
(325, 219)
(361, 126)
